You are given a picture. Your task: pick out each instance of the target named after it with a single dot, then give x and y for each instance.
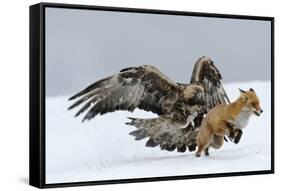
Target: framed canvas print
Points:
(122, 95)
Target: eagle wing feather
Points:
(206, 74)
(143, 87)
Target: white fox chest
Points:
(242, 119)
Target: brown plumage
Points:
(180, 107)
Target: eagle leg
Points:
(190, 120)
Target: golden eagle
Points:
(180, 107)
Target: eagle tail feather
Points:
(163, 132)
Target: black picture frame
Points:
(37, 94)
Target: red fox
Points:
(227, 119)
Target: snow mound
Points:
(101, 149)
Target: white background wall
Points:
(14, 73)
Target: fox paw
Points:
(237, 137)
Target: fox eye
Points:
(254, 104)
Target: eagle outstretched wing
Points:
(143, 87)
(206, 74)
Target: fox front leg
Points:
(237, 135)
(234, 133)
(230, 125)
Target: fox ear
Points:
(252, 90)
(244, 97)
(241, 91)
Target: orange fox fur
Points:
(227, 119)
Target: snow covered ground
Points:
(101, 149)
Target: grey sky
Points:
(83, 46)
